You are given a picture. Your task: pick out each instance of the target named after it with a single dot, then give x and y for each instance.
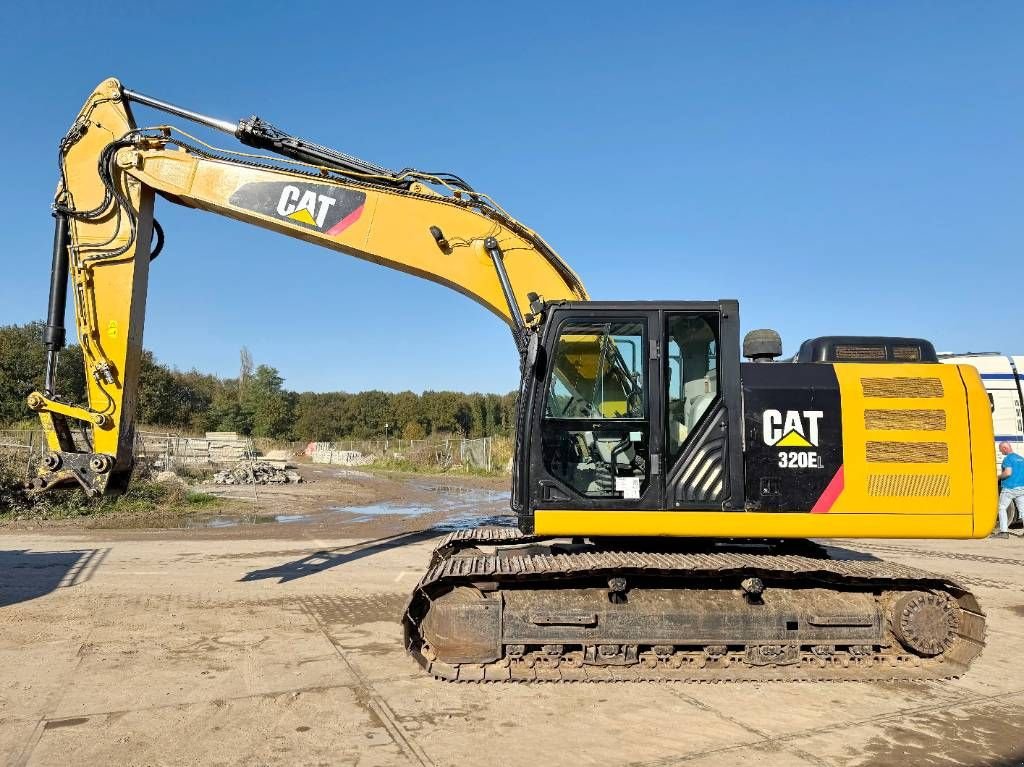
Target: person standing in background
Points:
(1011, 485)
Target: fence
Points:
(371, 446)
(174, 449)
(441, 452)
(29, 442)
(477, 452)
(227, 447)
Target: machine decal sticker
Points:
(346, 222)
(797, 428)
(793, 429)
(793, 444)
(834, 489)
(323, 208)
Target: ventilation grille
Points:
(909, 420)
(705, 477)
(902, 388)
(906, 353)
(849, 352)
(908, 485)
(907, 452)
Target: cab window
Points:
(692, 376)
(595, 430)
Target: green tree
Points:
(159, 394)
(200, 390)
(508, 412)
(406, 409)
(226, 413)
(318, 417)
(266, 404)
(22, 366)
(413, 430)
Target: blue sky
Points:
(838, 167)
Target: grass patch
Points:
(406, 466)
(195, 473)
(144, 497)
(433, 458)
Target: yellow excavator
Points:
(667, 493)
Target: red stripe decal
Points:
(346, 222)
(828, 498)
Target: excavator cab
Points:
(628, 407)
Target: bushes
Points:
(12, 478)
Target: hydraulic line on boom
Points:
(432, 225)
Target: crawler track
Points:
(530, 610)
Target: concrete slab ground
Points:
(130, 647)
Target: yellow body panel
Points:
(751, 524)
(983, 450)
(944, 483)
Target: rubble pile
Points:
(256, 473)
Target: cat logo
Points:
(794, 428)
(324, 208)
(306, 207)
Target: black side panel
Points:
(731, 375)
(793, 434)
(702, 479)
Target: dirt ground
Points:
(331, 500)
(234, 642)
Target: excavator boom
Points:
(434, 226)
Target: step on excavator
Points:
(674, 502)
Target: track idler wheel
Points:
(925, 623)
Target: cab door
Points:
(702, 407)
(594, 439)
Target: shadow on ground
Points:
(26, 574)
(328, 558)
(840, 552)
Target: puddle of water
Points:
(216, 522)
(465, 506)
(384, 509)
(212, 522)
(475, 504)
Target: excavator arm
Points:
(434, 226)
